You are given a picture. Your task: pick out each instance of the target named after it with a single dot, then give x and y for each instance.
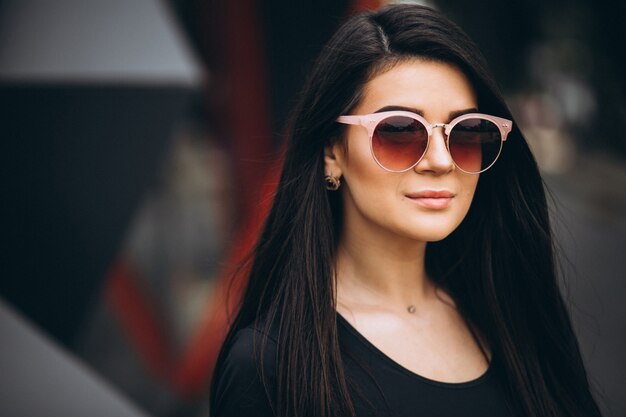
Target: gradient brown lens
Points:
(399, 142)
(474, 144)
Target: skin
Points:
(380, 259)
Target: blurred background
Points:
(140, 143)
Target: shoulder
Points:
(247, 375)
(250, 349)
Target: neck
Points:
(388, 270)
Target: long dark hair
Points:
(498, 265)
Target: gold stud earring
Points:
(332, 183)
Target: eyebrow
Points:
(451, 115)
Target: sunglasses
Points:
(399, 139)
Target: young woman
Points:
(406, 267)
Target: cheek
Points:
(468, 186)
(359, 168)
(368, 185)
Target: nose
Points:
(437, 158)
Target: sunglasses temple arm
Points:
(350, 120)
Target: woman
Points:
(406, 267)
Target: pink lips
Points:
(432, 199)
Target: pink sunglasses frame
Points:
(370, 121)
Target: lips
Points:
(432, 199)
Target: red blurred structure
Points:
(246, 114)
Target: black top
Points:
(379, 386)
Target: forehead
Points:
(430, 86)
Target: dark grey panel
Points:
(75, 162)
(40, 379)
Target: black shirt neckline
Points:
(441, 384)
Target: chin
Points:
(436, 237)
(432, 231)
(429, 235)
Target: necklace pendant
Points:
(411, 309)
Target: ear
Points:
(333, 164)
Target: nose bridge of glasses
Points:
(442, 125)
(437, 146)
(445, 127)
